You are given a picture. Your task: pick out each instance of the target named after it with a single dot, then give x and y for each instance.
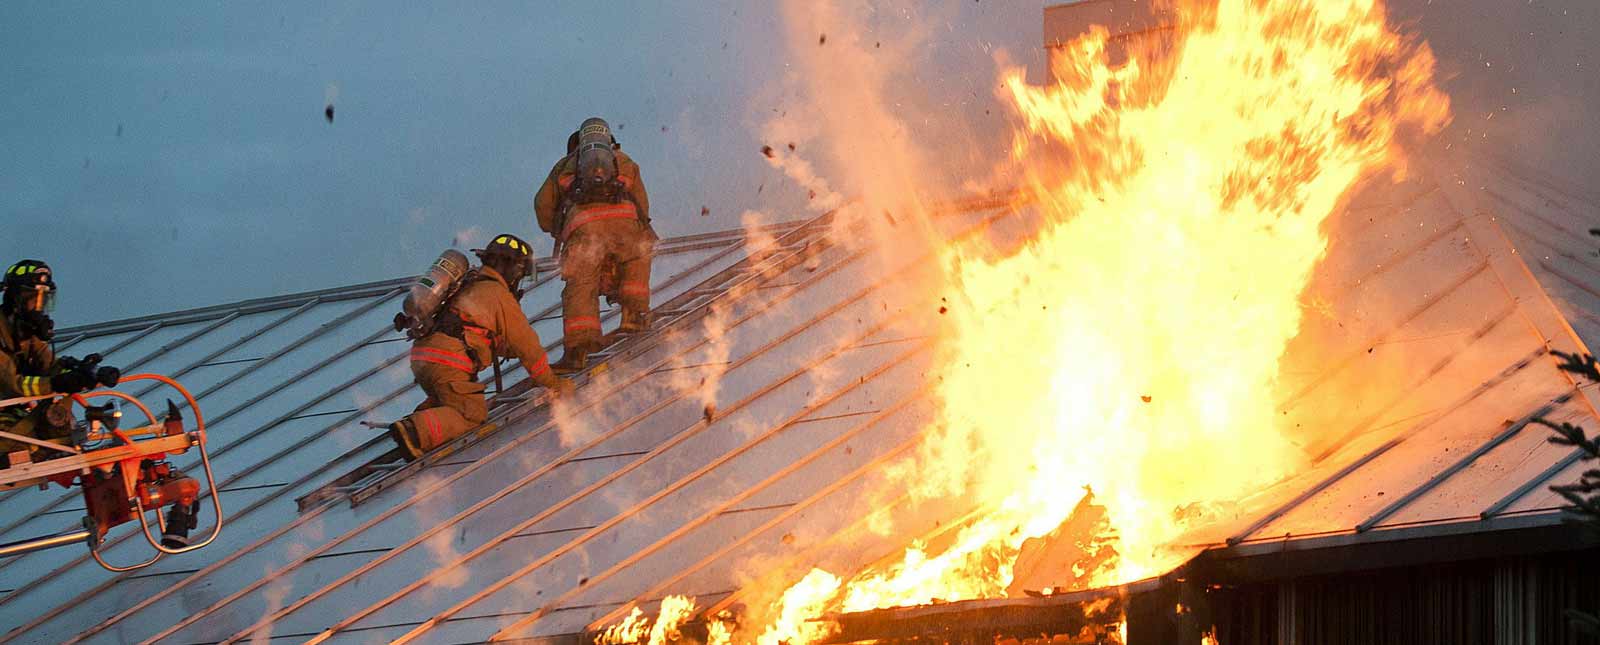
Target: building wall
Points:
(1511, 601)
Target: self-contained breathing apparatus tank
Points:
(596, 176)
(430, 292)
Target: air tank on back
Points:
(429, 292)
(597, 161)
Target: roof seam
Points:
(649, 341)
(437, 486)
(1500, 506)
(67, 495)
(662, 448)
(871, 466)
(1462, 463)
(1349, 359)
(1375, 453)
(288, 450)
(668, 246)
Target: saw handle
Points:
(205, 461)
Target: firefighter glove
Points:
(71, 382)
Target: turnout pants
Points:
(455, 404)
(623, 243)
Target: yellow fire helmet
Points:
(29, 287)
(506, 245)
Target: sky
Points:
(175, 155)
(1523, 77)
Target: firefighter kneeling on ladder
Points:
(595, 205)
(461, 320)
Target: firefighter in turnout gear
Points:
(595, 206)
(29, 368)
(481, 321)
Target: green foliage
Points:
(1584, 494)
(1580, 364)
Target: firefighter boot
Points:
(633, 321)
(573, 359)
(182, 519)
(404, 434)
(562, 388)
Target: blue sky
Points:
(172, 155)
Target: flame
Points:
(718, 633)
(803, 602)
(1110, 385)
(675, 610)
(636, 628)
(631, 629)
(1128, 354)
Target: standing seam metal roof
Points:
(541, 529)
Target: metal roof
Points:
(1418, 384)
(1478, 369)
(1417, 378)
(1416, 387)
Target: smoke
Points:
(1523, 77)
(842, 136)
(441, 545)
(852, 139)
(870, 147)
(758, 241)
(873, 122)
(278, 591)
(367, 394)
(275, 594)
(468, 236)
(796, 130)
(571, 428)
(698, 374)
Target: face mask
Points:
(35, 324)
(43, 300)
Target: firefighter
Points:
(481, 321)
(28, 366)
(595, 206)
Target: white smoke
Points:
(469, 236)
